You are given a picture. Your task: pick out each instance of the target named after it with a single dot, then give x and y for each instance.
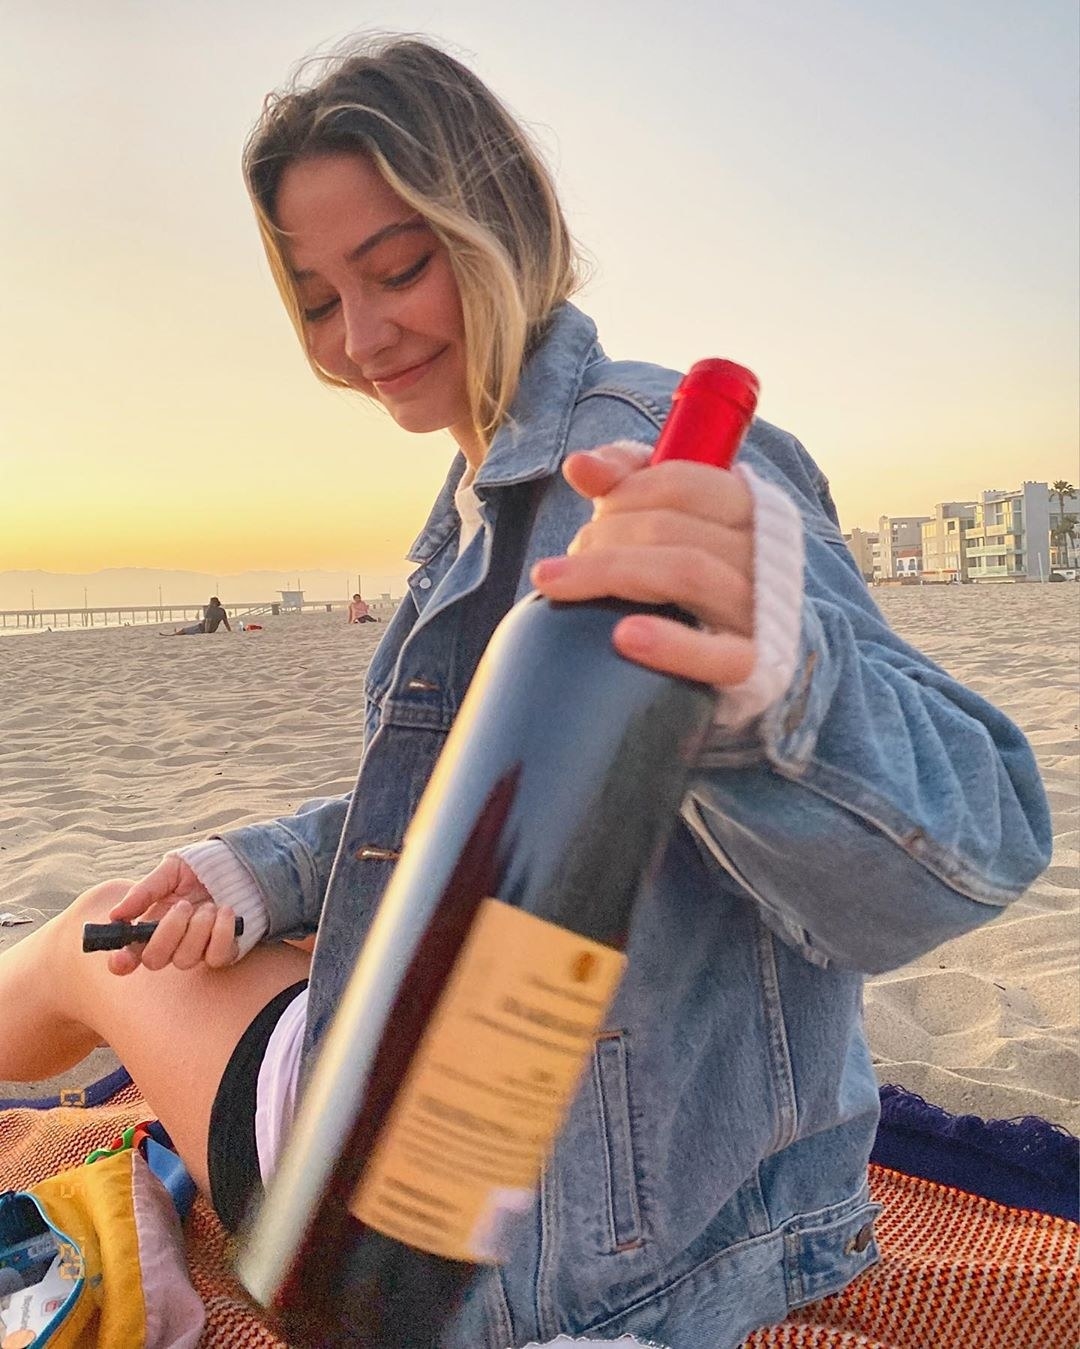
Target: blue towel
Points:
(1025, 1163)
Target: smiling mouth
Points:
(401, 379)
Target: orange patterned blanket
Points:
(957, 1271)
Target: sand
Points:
(988, 1023)
(118, 744)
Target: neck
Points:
(470, 445)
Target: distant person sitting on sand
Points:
(359, 611)
(213, 617)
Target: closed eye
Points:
(409, 274)
(397, 282)
(319, 311)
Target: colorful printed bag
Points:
(95, 1256)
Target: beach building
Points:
(865, 548)
(944, 555)
(1009, 538)
(900, 541)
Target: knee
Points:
(93, 905)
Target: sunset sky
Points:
(874, 205)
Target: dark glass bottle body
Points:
(555, 794)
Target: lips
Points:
(394, 381)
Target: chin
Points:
(419, 421)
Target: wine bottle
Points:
(496, 951)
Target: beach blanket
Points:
(1024, 1163)
(958, 1271)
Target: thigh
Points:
(174, 1030)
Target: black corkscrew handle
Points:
(115, 936)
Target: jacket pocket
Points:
(613, 1096)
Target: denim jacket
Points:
(712, 1173)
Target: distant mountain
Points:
(140, 585)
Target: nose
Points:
(368, 330)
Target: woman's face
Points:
(380, 302)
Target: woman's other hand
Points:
(191, 929)
(678, 533)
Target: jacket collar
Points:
(531, 443)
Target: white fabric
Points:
(778, 595)
(228, 882)
(627, 1341)
(175, 1314)
(467, 504)
(275, 1092)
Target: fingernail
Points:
(637, 447)
(549, 569)
(636, 633)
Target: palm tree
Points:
(1064, 536)
(1064, 531)
(1062, 489)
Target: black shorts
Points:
(232, 1156)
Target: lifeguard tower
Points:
(292, 601)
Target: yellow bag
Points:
(94, 1257)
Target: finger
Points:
(221, 948)
(667, 528)
(129, 958)
(191, 948)
(157, 885)
(593, 473)
(159, 950)
(697, 490)
(717, 658)
(125, 961)
(705, 586)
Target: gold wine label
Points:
(490, 1083)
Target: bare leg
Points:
(174, 1030)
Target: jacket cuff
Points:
(229, 883)
(283, 867)
(778, 602)
(788, 730)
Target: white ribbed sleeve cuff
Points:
(229, 883)
(778, 595)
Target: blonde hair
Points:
(446, 145)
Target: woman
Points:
(359, 612)
(854, 805)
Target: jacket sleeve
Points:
(879, 807)
(290, 859)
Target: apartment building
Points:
(944, 555)
(865, 548)
(1009, 538)
(900, 544)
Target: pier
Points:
(121, 615)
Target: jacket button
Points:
(424, 583)
(371, 852)
(860, 1240)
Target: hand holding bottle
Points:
(671, 533)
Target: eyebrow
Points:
(373, 241)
